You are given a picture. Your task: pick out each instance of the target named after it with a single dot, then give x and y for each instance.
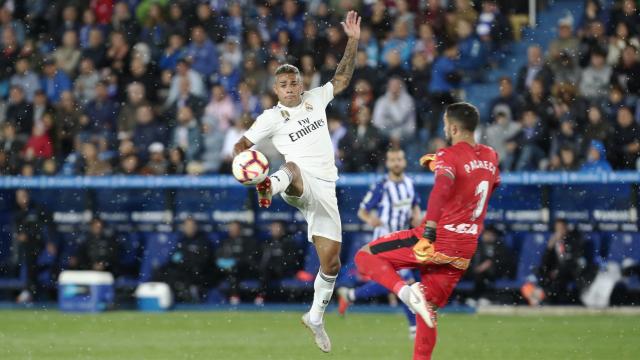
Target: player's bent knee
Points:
(331, 267)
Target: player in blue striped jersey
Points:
(392, 204)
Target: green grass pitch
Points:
(279, 335)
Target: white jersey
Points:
(301, 133)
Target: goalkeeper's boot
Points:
(419, 304)
(320, 336)
(264, 193)
(343, 300)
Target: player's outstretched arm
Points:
(347, 64)
(242, 145)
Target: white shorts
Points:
(319, 206)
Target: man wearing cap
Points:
(566, 40)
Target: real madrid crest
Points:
(285, 115)
(308, 106)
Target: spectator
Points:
(17, 26)
(98, 250)
(537, 99)
(626, 74)
(394, 112)
(618, 42)
(173, 52)
(395, 67)
(141, 73)
(566, 41)
(625, 142)
(91, 163)
(10, 53)
(119, 53)
(401, 42)
(177, 162)
(189, 270)
(626, 13)
(337, 131)
(129, 165)
(154, 29)
(236, 259)
(535, 69)
(213, 140)
(501, 32)
(426, 44)
(445, 79)
(69, 22)
(313, 44)
(85, 84)
(362, 148)
(88, 24)
(127, 116)
(96, 50)
(255, 49)
(54, 81)
(597, 128)
(492, 261)
(232, 136)
(248, 102)
(122, 22)
(19, 111)
(463, 11)
(102, 113)
(67, 56)
(185, 99)
(290, 21)
(157, 164)
(209, 21)
(380, 21)
(221, 107)
(507, 100)
(184, 71)
(11, 145)
(566, 136)
(474, 54)
(202, 52)
(433, 14)
(501, 131)
(310, 76)
(229, 78)
(566, 160)
(186, 135)
(31, 229)
(41, 106)
(234, 20)
(596, 159)
(526, 149)
(594, 81)
(565, 69)
(594, 39)
(147, 130)
(39, 145)
(362, 97)
(25, 78)
(280, 258)
(563, 263)
(67, 120)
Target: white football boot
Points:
(320, 336)
(420, 306)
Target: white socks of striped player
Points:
(323, 289)
(280, 180)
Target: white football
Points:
(250, 167)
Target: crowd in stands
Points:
(167, 86)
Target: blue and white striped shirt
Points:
(394, 202)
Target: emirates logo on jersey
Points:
(308, 106)
(285, 115)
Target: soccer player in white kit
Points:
(298, 129)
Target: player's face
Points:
(396, 163)
(288, 88)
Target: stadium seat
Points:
(533, 247)
(157, 249)
(311, 266)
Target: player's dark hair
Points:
(287, 69)
(464, 114)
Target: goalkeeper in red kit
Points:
(466, 174)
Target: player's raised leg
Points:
(288, 179)
(329, 254)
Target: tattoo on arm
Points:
(347, 64)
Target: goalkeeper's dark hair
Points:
(464, 114)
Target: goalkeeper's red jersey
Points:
(476, 174)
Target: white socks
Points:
(323, 289)
(280, 180)
(404, 294)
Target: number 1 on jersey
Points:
(483, 190)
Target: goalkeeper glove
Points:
(428, 161)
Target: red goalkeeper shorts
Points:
(439, 274)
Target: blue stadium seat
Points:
(311, 266)
(157, 249)
(349, 199)
(533, 247)
(348, 272)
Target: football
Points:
(250, 167)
